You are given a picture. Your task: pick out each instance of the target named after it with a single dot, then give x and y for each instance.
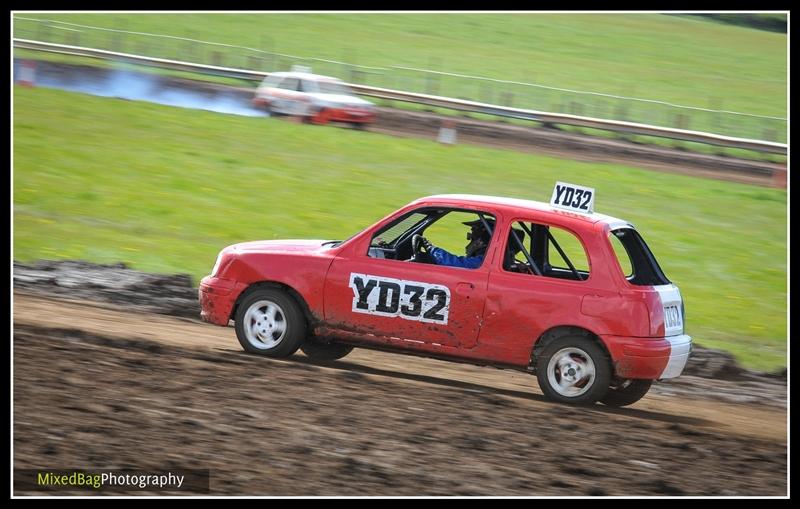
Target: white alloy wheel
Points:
(265, 324)
(571, 372)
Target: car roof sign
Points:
(573, 197)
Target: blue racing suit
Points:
(442, 257)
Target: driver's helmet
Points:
(478, 237)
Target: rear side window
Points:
(622, 255)
(307, 86)
(334, 87)
(572, 251)
(547, 251)
(636, 259)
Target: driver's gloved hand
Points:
(426, 244)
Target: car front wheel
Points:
(322, 117)
(269, 322)
(573, 369)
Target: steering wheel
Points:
(416, 244)
(418, 254)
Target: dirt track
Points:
(103, 388)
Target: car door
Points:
(388, 300)
(541, 283)
(287, 98)
(306, 89)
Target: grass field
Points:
(164, 189)
(681, 60)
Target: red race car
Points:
(557, 290)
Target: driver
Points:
(478, 238)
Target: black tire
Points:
(578, 354)
(319, 351)
(321, 117)
(279, 337)
(626, 393)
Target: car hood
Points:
(344, 100)
(274, 246)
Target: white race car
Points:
(318, 99)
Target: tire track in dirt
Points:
(268, 427)
(187, 336)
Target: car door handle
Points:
(464, 289)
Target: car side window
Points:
(450, 233)
(452, 237)
(390, 234)
(546, 251)
(622, 255)
(272, 82)
(289, 84)
(571, 253)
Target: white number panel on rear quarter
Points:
(671, 301)
(681, 344)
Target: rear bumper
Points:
(649, 358)
(217, 298)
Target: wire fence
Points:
(431, 79)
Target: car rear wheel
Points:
(573, 369)
(320, 351)
(626, 392)
(269, 322)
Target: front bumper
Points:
(649, 358)
(350, 115)
(217, 298)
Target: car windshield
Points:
(333, 87)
